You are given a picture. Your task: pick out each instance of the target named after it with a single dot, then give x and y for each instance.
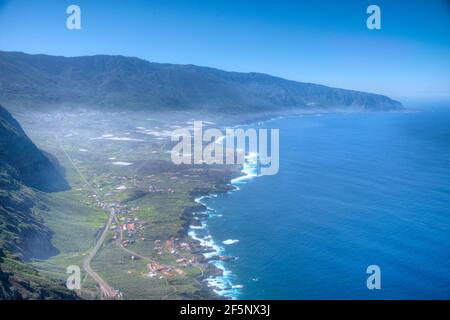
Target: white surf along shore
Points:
(225, 285)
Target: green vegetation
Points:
(147, 254)
(24, 171)
(74, 227)
(20, 281)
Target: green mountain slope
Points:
(22, 160)
(24, 170)
(123, 83)
(19, 281)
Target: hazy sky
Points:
(323, 42)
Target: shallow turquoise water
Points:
(353, 190)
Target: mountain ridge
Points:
(119, 82)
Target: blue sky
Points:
(323, 42)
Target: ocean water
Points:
(353, 190)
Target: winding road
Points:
(107, 291)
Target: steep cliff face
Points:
(24, 171)
(23, 161)
(124, 83)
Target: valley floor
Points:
(119, 166)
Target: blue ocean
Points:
(353, 190)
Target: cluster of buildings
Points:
(155, 268)
(171, 245)
(129, 228)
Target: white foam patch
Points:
(230, 241)
(112, 138)
(122, 163)
(199, 227)
(124, 139)
(250, 169)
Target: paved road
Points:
(107, 291)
